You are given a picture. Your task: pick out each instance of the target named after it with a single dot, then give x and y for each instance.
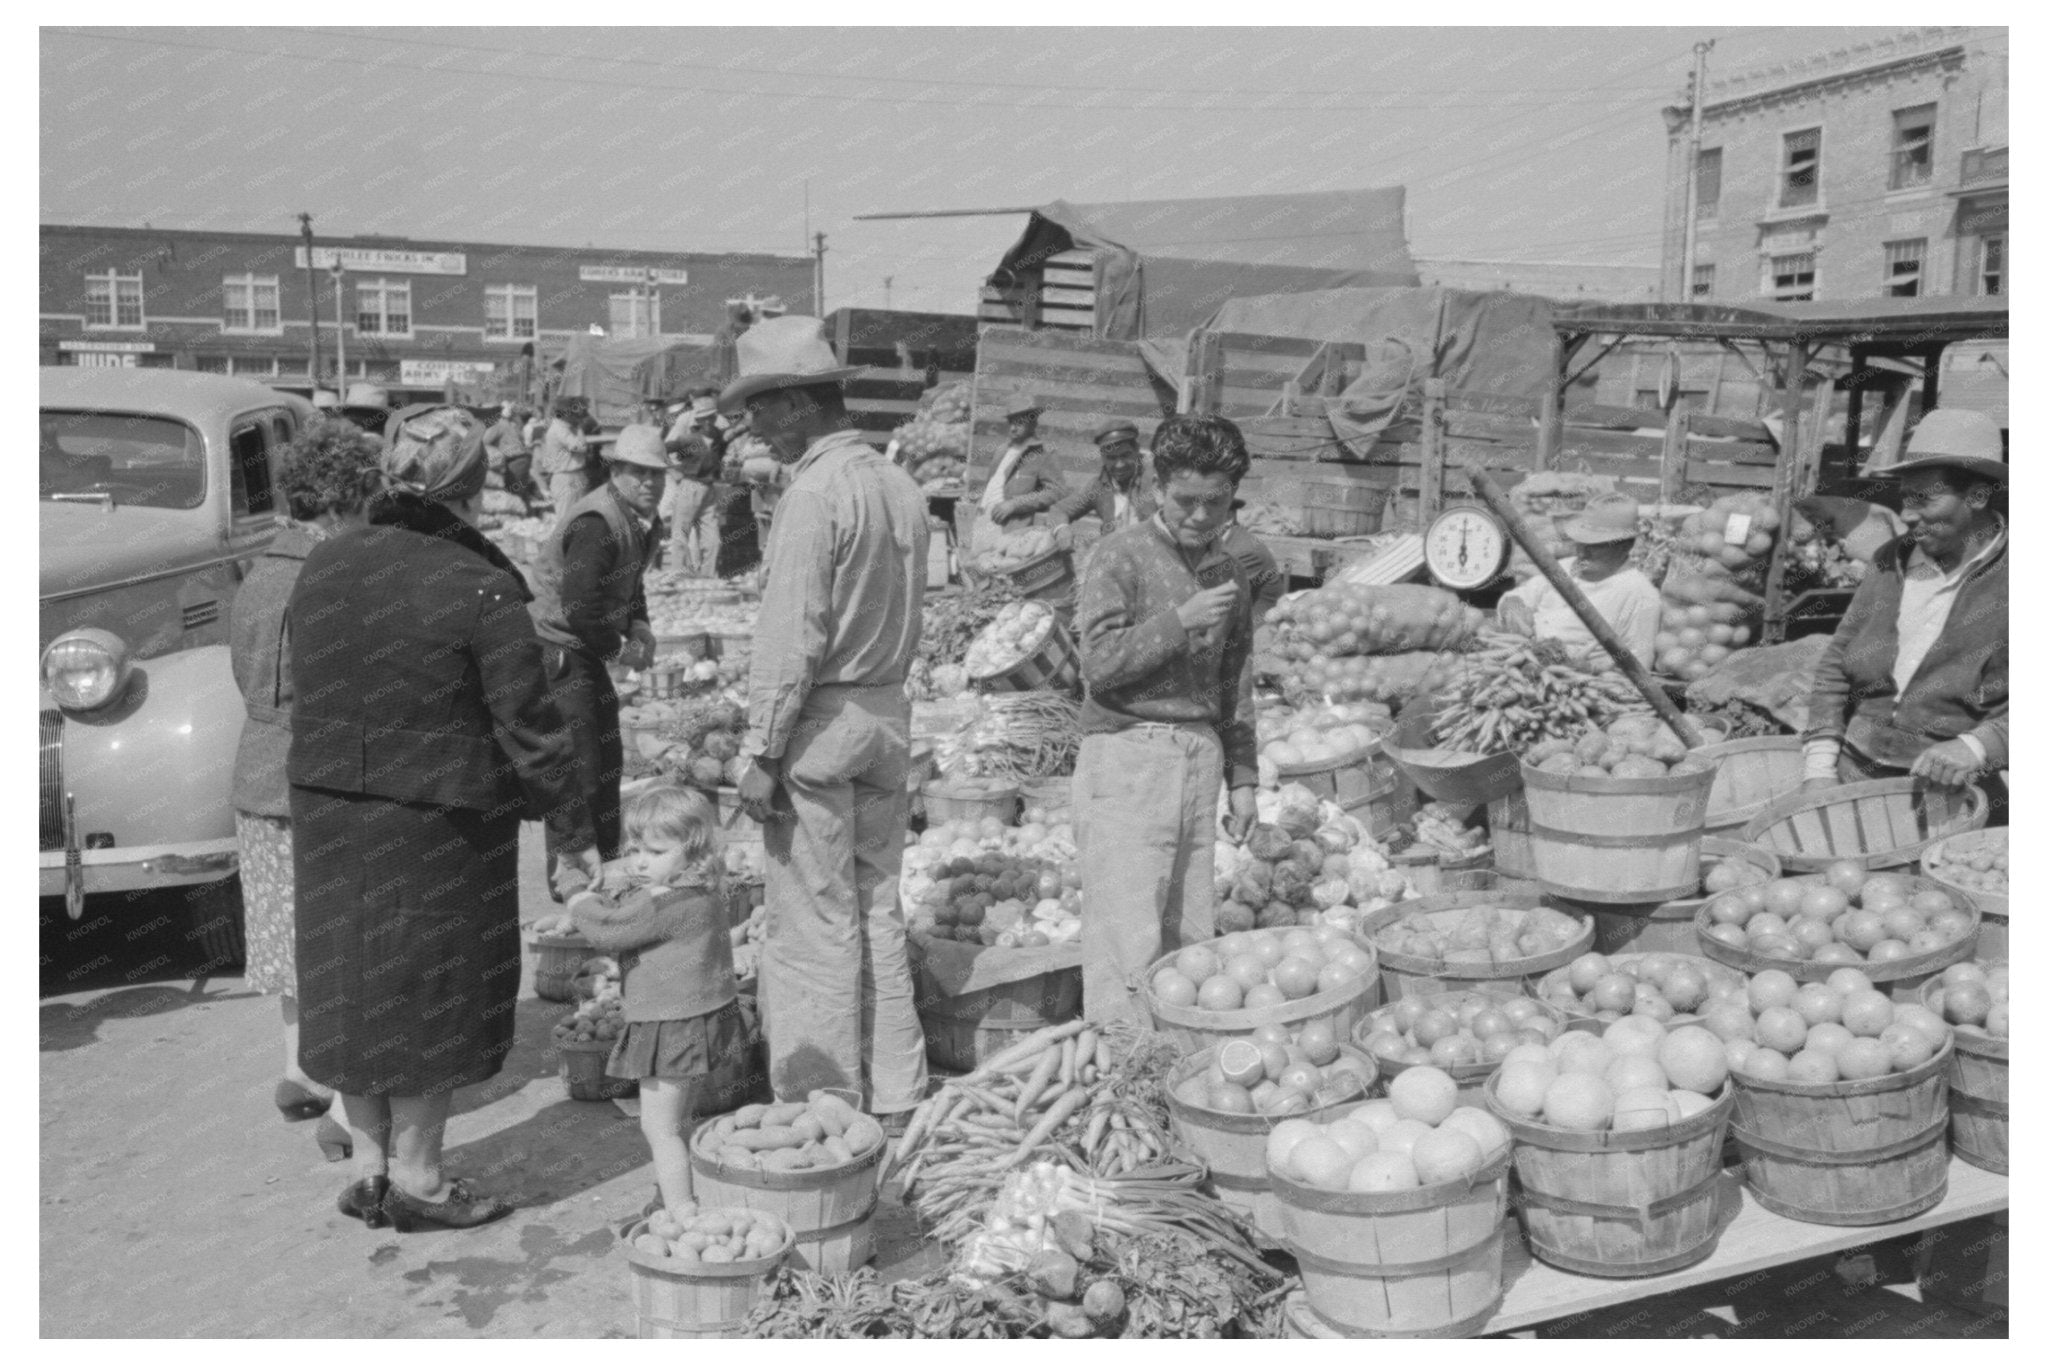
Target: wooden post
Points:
(1433, 450)
(1201, 385)
(1677, 427)
(1549, 429)
(1783, 490)
(1547, 565)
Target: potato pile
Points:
(1484, 935)
(690, 1235)
(1635, 745)
(804, 1135)
(597, 1020)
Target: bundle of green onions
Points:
(1021, 737)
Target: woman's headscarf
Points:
(435, 452)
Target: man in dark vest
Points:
(590, 609)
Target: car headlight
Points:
(85, 669)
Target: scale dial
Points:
(1465, 548)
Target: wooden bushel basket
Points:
(1886, 823)
(1471, 1077)
(1668, 928)
(831, 1213)
(1405, 975)
(1408, 1263)
(583, 1072)
(1899, 978)
(1366, 784)
(1979, 1112)
(1192, 1030)
(1622, 1204)
(556, 960)
(1848, 1154)
(1055, 666)
(963, 1031)
(1748, 775)
(1993, 932)
(1233, 1146)
(946, 801)
(1507, 826)
(1616, 840)
(673, 1300)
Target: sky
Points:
(1539, 144)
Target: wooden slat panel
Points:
(999, 339)
(1057, 296)
(1502, 404)
(1080, 255)
(1604, 416)
(1737, 452)
(1741, 428)
(1727, 475)
(1250, 344)
(1489, 426)
(1079, 369)
(1088, 398)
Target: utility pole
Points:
(818, 281)
(340, 331)
(312, 297)
(1692, 170)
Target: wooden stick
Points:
(1546, 564)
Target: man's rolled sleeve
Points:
(790, 631)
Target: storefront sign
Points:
(423, 372)
(111, 347)
(380, 259)
(630, 274)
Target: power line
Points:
(615, 84)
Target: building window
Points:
(384, 308)
(1903, 262)
(1912, 146)
(637, 314)
(1791, 277)
(249, 304)
(212, 364)
(1707, 183)
(1801, 183)
(1991, 265)
(114, 300)
(1703, 281)
(511, 312)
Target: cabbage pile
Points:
(1306, 862)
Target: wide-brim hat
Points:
(1022, 404)
(640, 444)
(1606, 519)
(788, 352)
(1954, 438)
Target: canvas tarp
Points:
(617, 373)
(1492, 341)
(1163, 265)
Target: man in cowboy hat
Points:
(565, 455)
(1915, 678)
(1118, 497)
(1024, 482)
(1604, 534)
(826, 760)
(590, 609)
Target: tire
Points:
(213, 923)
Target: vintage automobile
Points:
(157, 489)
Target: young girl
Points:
(669, 931)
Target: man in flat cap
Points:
(1118, 497)
(1024, 481)
(1915, 679)
(827, 751)
(590, 609)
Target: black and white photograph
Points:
(1104, 673)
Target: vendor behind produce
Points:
(1914, 679)
(1165, 626)
(1118, 497)
(1605, 533)
(1024, 482)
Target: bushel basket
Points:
(1885, 823)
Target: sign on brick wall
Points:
(388, 261)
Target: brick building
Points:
(415, 314)
(1867, 171)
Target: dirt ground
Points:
(175, 1202)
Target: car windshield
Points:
(138, 461)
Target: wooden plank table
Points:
(1754, 1239)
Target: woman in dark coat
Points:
(329, 469)
(421, 734)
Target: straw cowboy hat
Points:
(1606, 519)
(640, 444)
(1954, 438)
(783, 353)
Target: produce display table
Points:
(1755, 1239)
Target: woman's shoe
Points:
(297, 1103)
(365, 1200)
(463, 1208)
(335, 1143)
